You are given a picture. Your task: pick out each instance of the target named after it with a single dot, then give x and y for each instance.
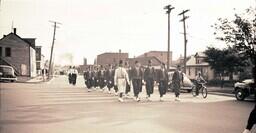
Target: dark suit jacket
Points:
(149, 74)
(162, 75)
(135, 75)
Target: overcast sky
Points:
(91, 27)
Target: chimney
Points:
(14, 30)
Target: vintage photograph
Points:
(127, 66)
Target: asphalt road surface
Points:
(57, 107)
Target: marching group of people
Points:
(122, 78)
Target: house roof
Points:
(143, 60)
(200, 54)
(29, 41)
(112, 53)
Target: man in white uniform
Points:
(120, 79)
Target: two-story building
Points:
(19, 53)
(196, 64)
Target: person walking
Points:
(69, 72)
(177, 80)
(101, 77)
(136, 77)
(121, 79)
(89, 79)
(149, 78)
(110, 73)
(162, 79)
(128, 87)
(74, 75)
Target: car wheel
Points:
(240, 95)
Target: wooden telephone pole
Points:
(185, 37)
(169, 8)
(53, 40)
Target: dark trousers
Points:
(115, 88)
(149, 86)
(137, 86)
(127, 89)
(162, 87)
(198, 86)
(176, 86)
(110, 84)
(252, 119)
(73, 77)
(70, 78)
(95, 83)
(89, 83)
(101, 83)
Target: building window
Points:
(189, 72)
(1, 51)
(8, 52)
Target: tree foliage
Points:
(239, 33)
(225, 61)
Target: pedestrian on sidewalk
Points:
(162, 78)
(69, 72)
(74, 75)
(110, 73)
(121, 79)
(136, 77)
(177, 80)
(149, 78)
(128, 87)
(101, 77)
(44, 74)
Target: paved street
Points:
(57, 107)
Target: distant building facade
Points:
(196, 64)
(160, 55)
(19, 53)
(110, 58)
(144, 61)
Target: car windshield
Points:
(6, 70)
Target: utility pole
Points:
(169, 8)
(185, 37)
(54, 32)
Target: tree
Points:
(224, 62)
(239, 33)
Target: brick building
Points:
(110, 58)
(19, 53)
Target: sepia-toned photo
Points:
(127, 66)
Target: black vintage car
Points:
(7, 73)
(244, 89)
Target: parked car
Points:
(244, 89)
(187, 83)
(7, 73)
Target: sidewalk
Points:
(219, 89)
(38, 79)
